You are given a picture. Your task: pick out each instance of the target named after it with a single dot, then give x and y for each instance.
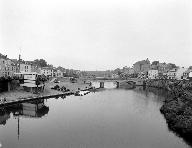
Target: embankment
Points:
(177, 107)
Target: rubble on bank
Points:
(177, 107)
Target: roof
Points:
(188, 71)
(142, 62)
(25, 73)
(48, 68)
(3, 56)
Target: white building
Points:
(7, 67)
(59, 73)
(190, 75)
(25, 67)
(187, 73)
(31, 81)
(153, 74)
(47, 71)
(180, 73)
(114, 76)
(172, 74)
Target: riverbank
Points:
(177, 107)
(177, 110)
(20, 93)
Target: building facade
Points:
(171, 74)
(142, 66)
(7, 67)
(47, 71)
(153, 74)
(187, 74)
(180, 73)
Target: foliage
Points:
(155, 63)
(41, 62)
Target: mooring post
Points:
(8, 86)
(101, 84)
(117, 84)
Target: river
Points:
(112, 118)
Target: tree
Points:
(172, 65)
(155, 63)
(117, 71)
(41, 62)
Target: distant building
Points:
(187, 74)
(127, 70)
(171, 74)
(7, 66)
(153, 74)
(163, 68)
(47, 71)
(114, 76)
(190, 76)
(180, 73)
(25, 67)
(59, 73)
(141, 66)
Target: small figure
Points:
(5, 99)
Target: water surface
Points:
(114, 118)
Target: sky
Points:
(99, 34)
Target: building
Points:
(58, 73)
(31, 81)
(171, 74)
(114, 76)
(47, 71)
(142, 66)
(163, 68)
(127, 70)
(25, 67)
(180, 73)
(187, 73)
(153, 74)
(190, 76)
(7, 66)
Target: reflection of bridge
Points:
(132, 82)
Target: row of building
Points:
(8, 67)
(179, 73)
(154, 70)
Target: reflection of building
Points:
(34, 109)
(4, 116)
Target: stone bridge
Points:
(132, 82)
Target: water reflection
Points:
(32, 109)
(107, 84)
(110, 118)
(160, 95)
(4, 116)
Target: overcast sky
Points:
(99, 34)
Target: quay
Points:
(13, 102)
